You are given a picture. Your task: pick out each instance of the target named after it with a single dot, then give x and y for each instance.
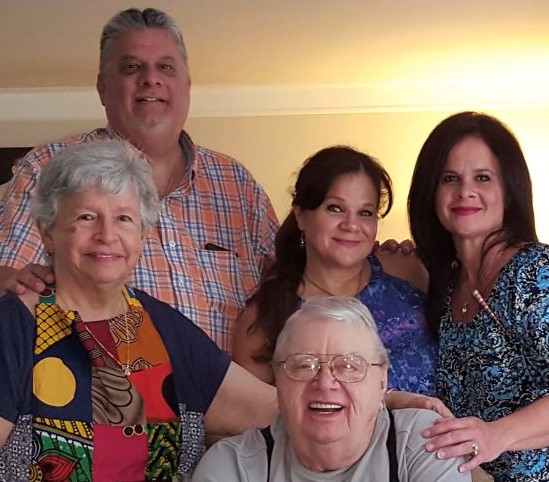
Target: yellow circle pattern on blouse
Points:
(53, 382)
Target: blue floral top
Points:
(490, 371)
(398, 309)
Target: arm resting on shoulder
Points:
(246, 344)
(405, 266)
(242, 402)
(32, 277)
(395, 399)
(520, 430)
(5, 430)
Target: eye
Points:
(483, 178)
(366, 213)
(334, 208)
(85, 217)
(167, 67)
(449, 178)
(130, 68)
(349, 363)
(302, 363)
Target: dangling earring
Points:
(302, 240)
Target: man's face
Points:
(323, 411)
(145, 86)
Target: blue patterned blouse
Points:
(489, 371)
(398, 309)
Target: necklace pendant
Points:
(464, 308)
(127, 370)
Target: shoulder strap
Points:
(266, 432)
(391, 448)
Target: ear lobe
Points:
(46, 239)
(100, 86)
(298, 213)
(383, 382)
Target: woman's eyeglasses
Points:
(347, 368)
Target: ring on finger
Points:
(474, 449)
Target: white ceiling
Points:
(54, 43)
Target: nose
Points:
(466, 190)
(324, 377)
(106, 231)
(150, 77)
(350, 222)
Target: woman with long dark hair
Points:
(324, 248)
(472, 218)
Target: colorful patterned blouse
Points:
(488, 370)
(111, 400)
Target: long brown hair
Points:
(276, 298)
(434, 243)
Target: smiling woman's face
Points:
(96, 239)
(470, 195)
(323, 411)
(341, 231)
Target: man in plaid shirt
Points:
(216, 229)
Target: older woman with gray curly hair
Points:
(101, 381)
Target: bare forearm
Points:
(526, 429)
(5, 430)
(242, 402)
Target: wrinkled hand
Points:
(454, 437)
(32, 277)
(397, 399)
(392, 246)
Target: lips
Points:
(104, 256)
(347, 242)
(149, 98)
(465, 211)
(325, 407)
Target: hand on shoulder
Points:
(33, 277)
(401, 260)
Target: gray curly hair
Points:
(110, 166)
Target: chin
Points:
(325, 435)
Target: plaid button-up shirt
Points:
(213, 239)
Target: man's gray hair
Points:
(134, 19)
(109, 166)
(344, 309)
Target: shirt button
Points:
(173, 244)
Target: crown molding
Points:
(56, 104)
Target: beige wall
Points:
(274, 147)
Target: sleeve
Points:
(423, 466)
(20, 241)
(220, 462)
(17, 338)
(234, 459)
(199, 364)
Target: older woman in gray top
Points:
(331, 376)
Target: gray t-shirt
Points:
(244, 457)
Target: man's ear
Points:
(100, 86)
(383, 381)
(383, 387)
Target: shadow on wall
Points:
(7, 157)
